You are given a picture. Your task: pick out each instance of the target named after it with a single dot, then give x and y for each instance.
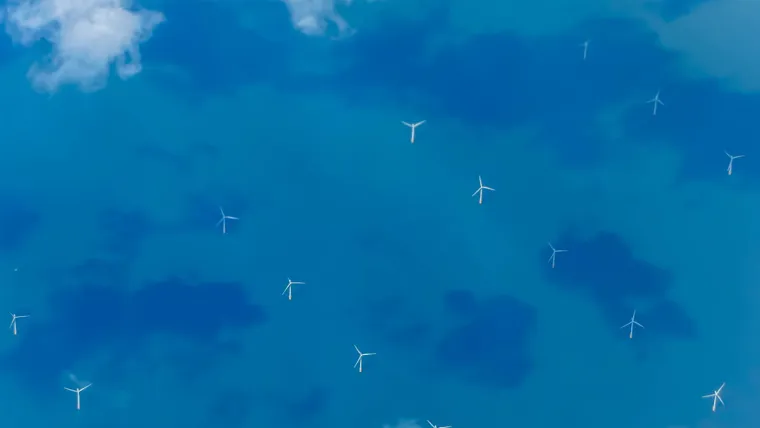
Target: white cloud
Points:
(314, 17)
(87, 38)
(718, 38)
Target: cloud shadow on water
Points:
(490, 344)
(504, 80)
(124, 231)
(702, 119)
(392, 318)
(604, 269)
(93, 317)
(230, 408)
(18, 222)
(304, 407)
(214, 55)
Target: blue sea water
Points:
(109, 201)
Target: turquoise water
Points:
(110, 199)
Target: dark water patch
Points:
(702, 119)
(306, 407)
(18, 221)
(504, 80)
(604, 269)
(122, 232)
(491, 347)
(93, 318)
(393, 319)
(211, 53)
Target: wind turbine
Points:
(584, 45)
(15, 317)
(716, 397)
(289, 288)
(413, 126)
(481, 189)
(553, 257)
(223, 221)
(436, 426)
(632, 323)
(78, 390)
(656, 101)
(361, 355)
(731, 162)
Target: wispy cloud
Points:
(716, 39)
(313, 17)
(86, 38)
(316, 17)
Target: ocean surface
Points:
(126, 126)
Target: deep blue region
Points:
(393, 319)
(90, 317)
(702, 120)
(487, 343)
(304, 408)
(501, 80)
(230, 408)
(122, 232)
(95, 271)
(18, 222)
(217, 53)
(604, 269)
(671, 10)
(490, 346)
(9, 50)
(517, 81)
(671, 320)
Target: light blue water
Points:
(109, 201)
